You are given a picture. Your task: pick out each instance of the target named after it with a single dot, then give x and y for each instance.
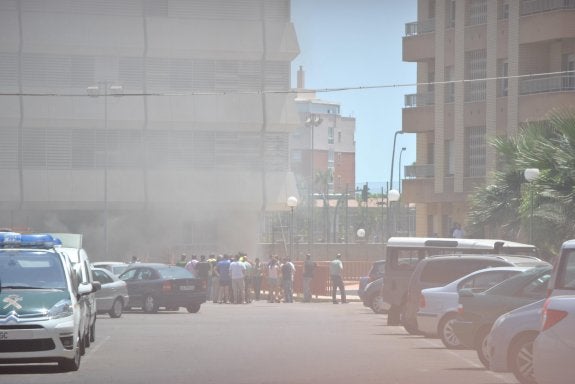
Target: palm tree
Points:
(505, 206)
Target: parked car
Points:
(554, 347)
(436, 271)
(41, 314)
(71, 246)
(374, 273)
(510, 342)
(403, 254)
(116, 267)
(153, 285)
(438, 306)
(478, 311)
(113, 296)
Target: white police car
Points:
(40, 316)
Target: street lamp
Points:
(292, 203)
(530, 175)
(392, 196)
(312, 121)
(399, 170)
(94, 91)
(393, 157)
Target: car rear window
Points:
(566, 271)
(175, 273)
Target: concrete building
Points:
(152, 127)
(515, 57)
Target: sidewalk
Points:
(351, 289)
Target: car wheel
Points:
(193, 308)
(378, 305)
(93, 331)
(69, 365)
(150, 304)
(481, 346)
(117, 307)
(521, 358)
(446, 333)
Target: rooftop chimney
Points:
(300, 78)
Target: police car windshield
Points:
(32, 269)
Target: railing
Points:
(529, 7)
(419, 99)
(419, 27)
(550, 83)
(419, 171)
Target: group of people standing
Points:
(237, 280)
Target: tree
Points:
(504, 207)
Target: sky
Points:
(345, 43)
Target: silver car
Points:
(113, 296)
(510, 342)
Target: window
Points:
(330, 135)
(431, 10)
(475, 147)
(450, 17)
(477, 12)
(566, 278)
(449, 158)
(339, 136)
(569, 65)
(475, 69)
(504, 81)
(449, 87)
(483, 281)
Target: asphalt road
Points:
(262, 343)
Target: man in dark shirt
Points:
(308, 270)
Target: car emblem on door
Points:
(12, 301)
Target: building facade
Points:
(483, 68)
(152, 127)
(323, 146)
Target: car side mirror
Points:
(96, 286)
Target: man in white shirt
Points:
(237, 273)
(336, 272)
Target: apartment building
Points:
(483, 68)
(152, 127)
(324, 142)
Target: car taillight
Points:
(421, 301)
(551, 317)
(167, 286)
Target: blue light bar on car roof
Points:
(27, 240)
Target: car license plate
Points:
(16, 335)
(187, 287)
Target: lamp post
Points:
(392, 196)
(312, 121)
(292, 203)
(399, 170)
(94, 91)
(530, 175)
(393, 157)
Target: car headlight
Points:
(61, 309)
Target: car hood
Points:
(23, 302)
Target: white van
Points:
(71, 246)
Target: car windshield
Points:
(31, 270)
(175, 273)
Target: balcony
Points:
(547, 83)
(418, 171)
(529, 7)
(419, 99)
(419, 27)
(419, 40)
